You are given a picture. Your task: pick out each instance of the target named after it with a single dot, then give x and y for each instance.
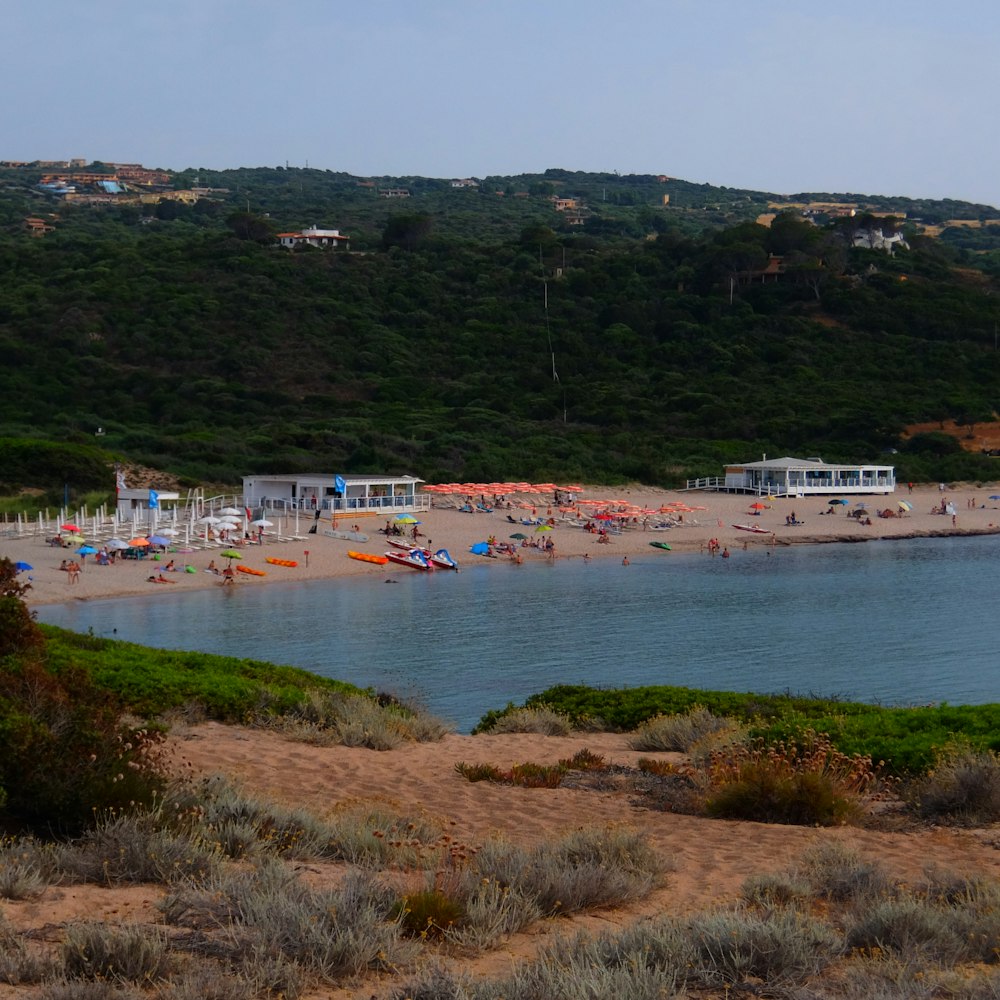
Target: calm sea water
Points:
(899, 622)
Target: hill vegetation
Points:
(476, 333)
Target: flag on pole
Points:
(154, 500)
(119, 479)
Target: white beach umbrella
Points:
(168, 531)
(261, 523)
(231, 510)
(116, 543)
(208, 519)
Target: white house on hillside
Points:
(315, 237)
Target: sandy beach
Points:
(712, 516)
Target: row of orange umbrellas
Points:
(491, 488)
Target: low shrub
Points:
(807, 782)
(835, 872)
(526, 775)
(332, 718)
(130, 848)
(265, 911)
(963, 785)
(681, 732)
(126, 953)
(780, 948)
(541, 720)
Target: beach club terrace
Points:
(800, 477)
(354, 495)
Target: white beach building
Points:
(801, 477)
(333, 493)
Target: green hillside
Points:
(477, 333)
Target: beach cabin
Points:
(348, 495)
(805, 477)
(133, 504)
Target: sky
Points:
(889, 97)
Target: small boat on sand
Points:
(441, 559)
(660, 545)
(753, 529)
(368, 557)
(415, 559)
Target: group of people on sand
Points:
(72, 569)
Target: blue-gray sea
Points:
(893, 622)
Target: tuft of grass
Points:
(334, 718)
(429, 913)
(540, 719)
(127, 953)
(27, 867)
(585, 760)
(963, 785)
(680, 732)
(20, 966)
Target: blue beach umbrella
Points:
(480, 548)
(159, 540)
(22, 567)
(86, 550)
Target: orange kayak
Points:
(249, 570)
(280, 562)
(365, 557)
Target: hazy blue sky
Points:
(880, 96)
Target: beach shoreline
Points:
(713, 517)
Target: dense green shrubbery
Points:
(904, 738)
(662, 374)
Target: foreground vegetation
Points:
(242, 912)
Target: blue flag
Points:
(339, 485)
(154, 499)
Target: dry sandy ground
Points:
(710, 858)
(455, 531)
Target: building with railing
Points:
(351, 495)
(801, 477)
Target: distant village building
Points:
(565, 204)
(38, 227)
(466, 182)
(315, 237)
(394, 193)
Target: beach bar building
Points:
(802, 477)
(349, 495)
